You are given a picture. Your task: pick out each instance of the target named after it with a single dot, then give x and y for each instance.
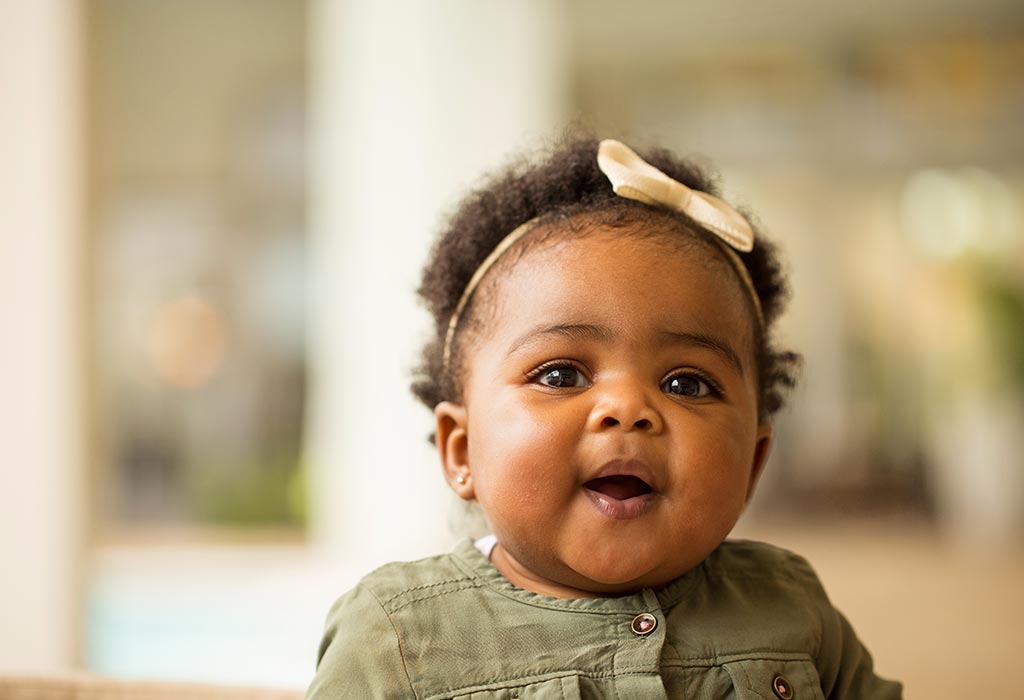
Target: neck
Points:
(521, 577)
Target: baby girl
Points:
(603, 377)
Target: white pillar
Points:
(412, 102)
(40, 467)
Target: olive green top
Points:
(752, 621)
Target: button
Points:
(643, 624)
(782, 688)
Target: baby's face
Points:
(610, 429)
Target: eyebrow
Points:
(573, 331)
(587, 331)
(716, 345)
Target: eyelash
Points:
(538, 372)
(714, 389)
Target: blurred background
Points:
(213, 217)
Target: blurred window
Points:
(197, 202)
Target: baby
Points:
(603, 379)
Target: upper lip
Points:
(626, 467)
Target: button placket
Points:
(642, 636)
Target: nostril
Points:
(642, 424)
(609, 422)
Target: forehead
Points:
(639, 281)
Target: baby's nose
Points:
(625, 405)
(639, 424)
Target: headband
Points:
(634, 178)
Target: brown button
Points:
(643, 624)
(782, 688)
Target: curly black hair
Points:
(565, 185)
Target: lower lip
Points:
(620, 509)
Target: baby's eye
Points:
(561, 377)
(688, 385)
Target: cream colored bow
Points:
(634, 178)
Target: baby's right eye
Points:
(561, 377)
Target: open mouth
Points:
(619, 487)
(620, 496)
(623, 489)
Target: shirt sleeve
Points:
(845, 666)
(360, 654)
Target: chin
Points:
(621, 576)
(618, 570)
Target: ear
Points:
(765, 434)
(453, 448)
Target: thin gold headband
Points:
(634, 178)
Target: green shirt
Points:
(751, 621)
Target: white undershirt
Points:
(486, 545)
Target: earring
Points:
(460, 480)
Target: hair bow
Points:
(634, 178)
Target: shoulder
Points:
(762, 573)
(750, 597)
(398, 584)
(363, 646)
(394, 589)
(746, 559)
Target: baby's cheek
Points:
(713, 477)
(526, 439)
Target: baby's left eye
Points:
(687, 385)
